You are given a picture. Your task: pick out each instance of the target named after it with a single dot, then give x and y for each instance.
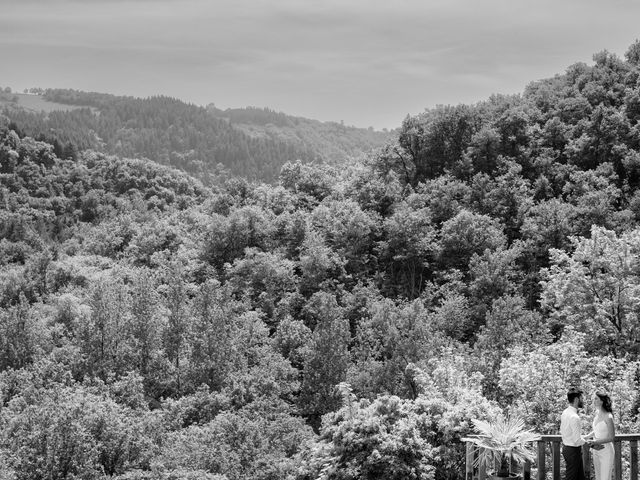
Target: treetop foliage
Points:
(347, 321)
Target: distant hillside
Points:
(35, 103)
(207, 143)
(332, 140)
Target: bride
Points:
(601, 438)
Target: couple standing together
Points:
(600, 439)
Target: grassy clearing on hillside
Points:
(37, 103)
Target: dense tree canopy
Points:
(347, 322)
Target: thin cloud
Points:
(364, 61)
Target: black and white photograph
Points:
(319, 240)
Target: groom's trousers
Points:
(573, 459)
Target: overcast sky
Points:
(366, 62)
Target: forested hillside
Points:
(202, 142)
(333, 141)
(342, 323)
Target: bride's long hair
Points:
(606, 401)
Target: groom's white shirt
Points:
(571, 427)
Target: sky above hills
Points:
(365, 62)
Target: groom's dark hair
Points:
(573, 393)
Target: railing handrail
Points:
(555, 444)
(623, 437)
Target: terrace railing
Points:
(550, 447)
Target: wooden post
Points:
(634, 459)
(541, 457)
(618, 460)
(586, 461)
(526, 470)
(482, 469)
(469, 466)
(556, 460)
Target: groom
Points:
(571, 431)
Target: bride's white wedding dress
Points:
(602, 459)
